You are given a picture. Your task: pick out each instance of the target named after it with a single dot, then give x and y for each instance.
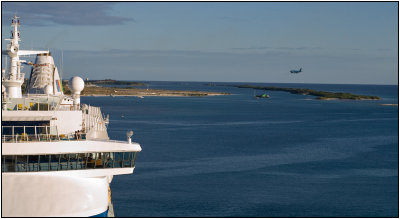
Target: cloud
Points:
(349, 49)
(66, 13)
(253, 48)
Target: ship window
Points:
(3, 167)
(62, 162)
(32, 163)
(9, 164)
(128, 159)
(134, 159)
(118, 159)
(54, 162)
(43, 162)
(20, 163)
(107, 160)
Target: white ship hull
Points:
(60, 188)
(28, 195)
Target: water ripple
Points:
(323, 149)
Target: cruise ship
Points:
(57, 159)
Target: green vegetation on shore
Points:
(114, 82)
(322, 95)
(95, 88)
(65, 87)
(98, 90)
(101, 82)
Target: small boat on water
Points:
(265, 95)
(262, 96)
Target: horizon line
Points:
(246, 82)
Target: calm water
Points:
(236, 156)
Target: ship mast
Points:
(13, 77)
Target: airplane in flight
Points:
(295, 71)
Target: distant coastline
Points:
(320, 95)
(95, 88)
(114, 82)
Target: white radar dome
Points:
(76, 84)
(129, 133)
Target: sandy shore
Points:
(389, 104)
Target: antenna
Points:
(6, 65)
(62, 64)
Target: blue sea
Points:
(237, 156)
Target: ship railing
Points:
(18, 76)
(21, 134)
(93, 119)
(66, 107)
(44, 103)
(114, 141)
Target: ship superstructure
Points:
(57, 158)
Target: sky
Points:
(333, 42)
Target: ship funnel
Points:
(76, 85)
(44, 75)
